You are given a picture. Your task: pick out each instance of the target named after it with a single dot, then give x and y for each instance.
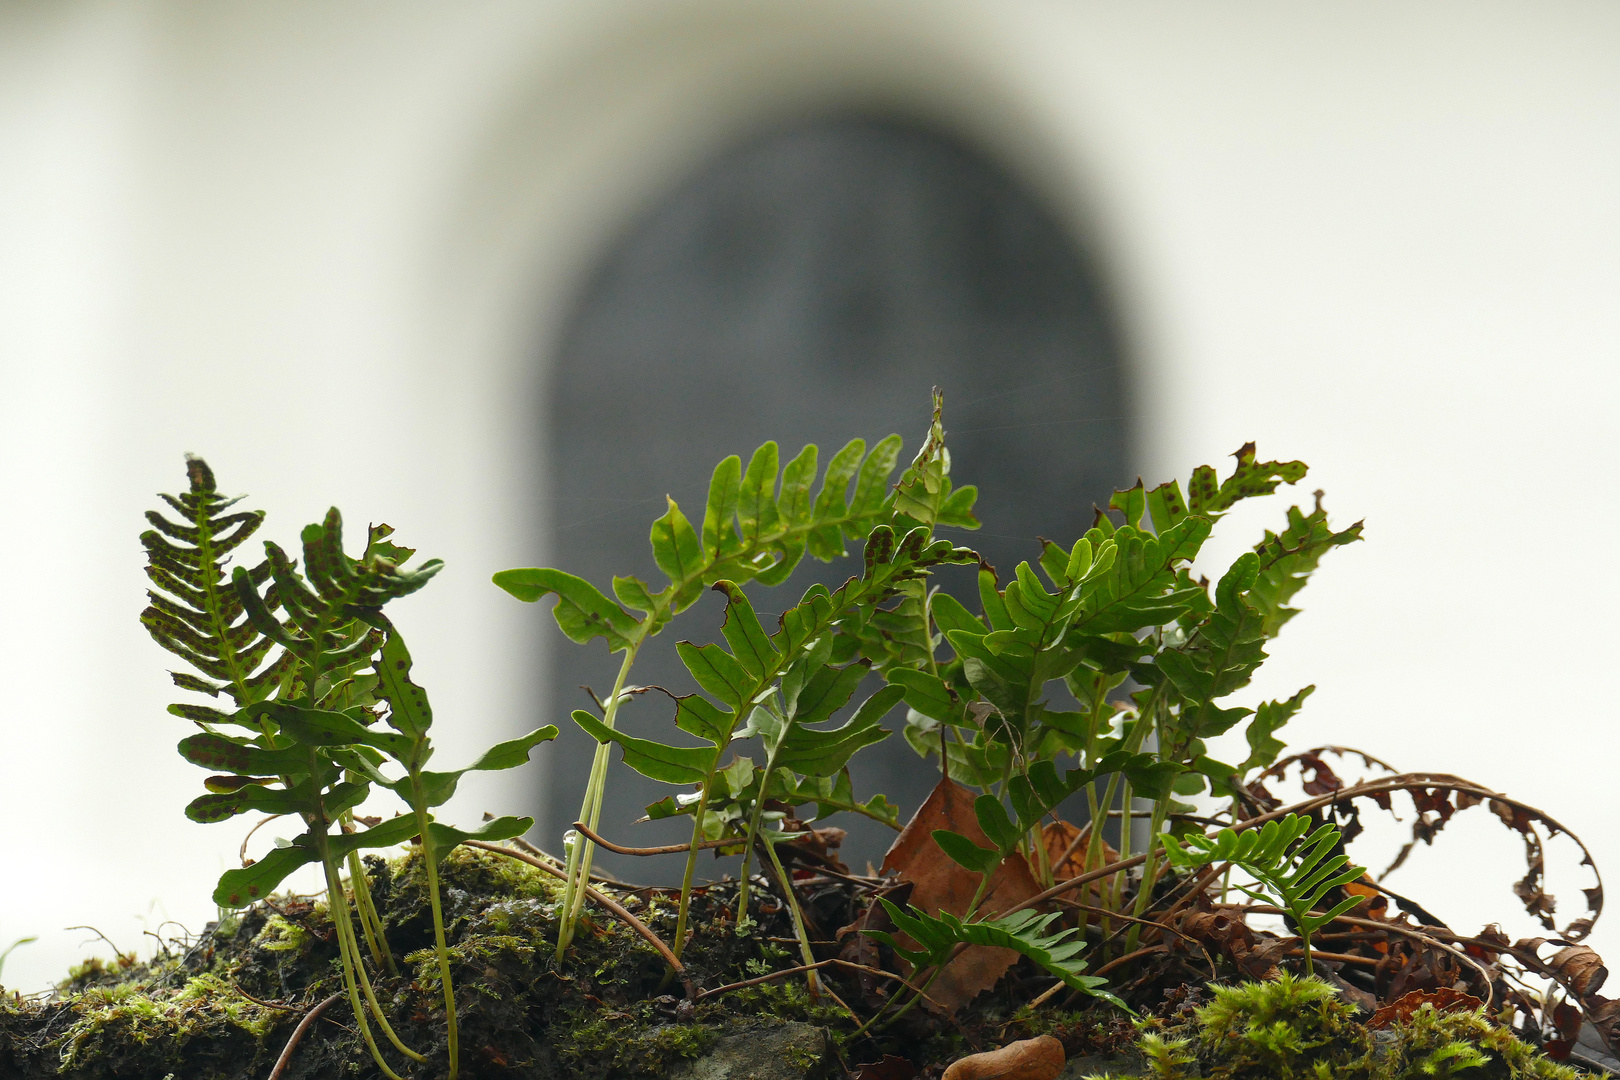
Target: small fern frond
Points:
(193, 611)
(1024, 932)
(1297, 873)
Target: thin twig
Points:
(524, 845)
(1146, 950)
(797, 970)
(662, 849)
(1208, 959)
(1080, 879)
(297, 1035)
(1404, 931)
(267, 1004)
(118, 954)
(596, 875)
(612, 905)
(1343, 958)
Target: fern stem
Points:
(1094, 855)
(1150, 872)
(580, 853)
(750, 837)
(798, 918)
(334, 892)
(343, 917)
(691, 860)
(370, 923)
(430, 868)
(921, 991)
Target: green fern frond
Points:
(1024, 932)
(757, 526)
(333, 607)
(1297, 873)
(193, 611)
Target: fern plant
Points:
(1119, 603)
(781, 683)
(1297, 873)
(757, 525)
(310, 749)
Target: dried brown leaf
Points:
(1444, 999)
(1060, 837)
(1225, 932)
(1040, 1058)
(1432, 795)
(941, 884)
(1581, 969)
(862, 949)
(890, 1067)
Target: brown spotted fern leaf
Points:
(194, 612)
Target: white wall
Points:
(1382, 238)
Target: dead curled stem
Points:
(1403, 931)
(298, 1034)
(242, 851)
(613, 906)
(1403, 782)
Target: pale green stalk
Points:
(334, 888)
(348, 953)
(805, 952)
(370, 922)
(430, 867)
(581, 851)
(1150, 871)
(752, 836)
(691, 860)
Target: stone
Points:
(1119, 1066)
(790, 1051)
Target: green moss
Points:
(618, 1043)
(140, 1012)
(279, 935)
(1297, 1029)
(480, 873)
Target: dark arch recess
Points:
(810, 285)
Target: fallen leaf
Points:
(1059, 837)
(1040, 1058)
(1566, 1018)
(890, 1068)
(1322, 779)
(815, 849)
(1605, 1016)
(942, 884)
(1444, 999)
(1227, 934)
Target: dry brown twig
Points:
(298, 1035)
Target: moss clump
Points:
(603, 1013)
(157, 1018)
(1298, 1029)
(279, 935)
(625, 1045)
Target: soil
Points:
(222, 1006)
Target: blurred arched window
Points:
(811, 285)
